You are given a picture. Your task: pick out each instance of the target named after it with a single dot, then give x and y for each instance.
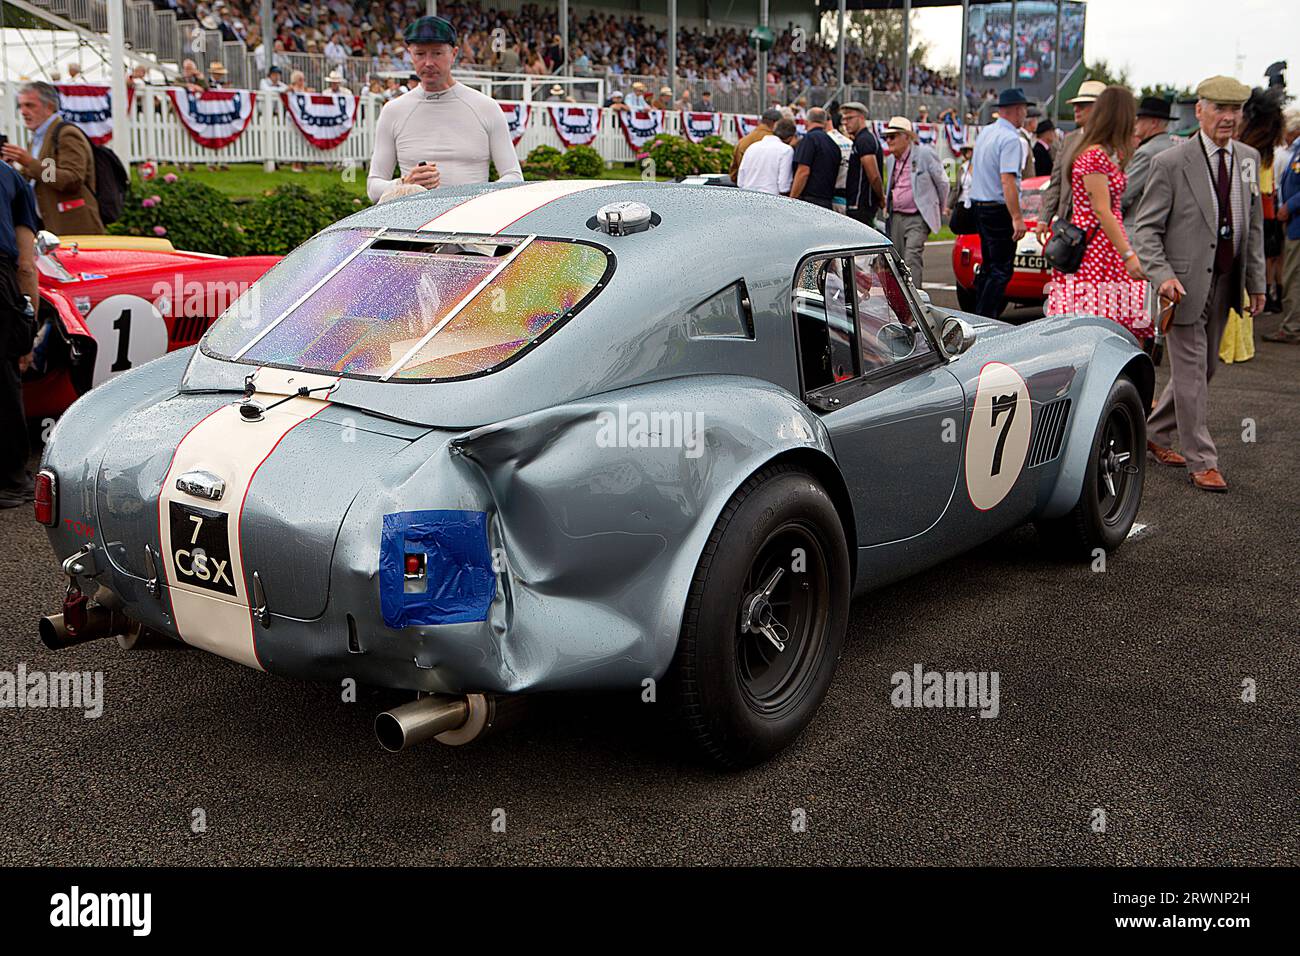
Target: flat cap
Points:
(1223, 89)
(856, 107)
(430, 30)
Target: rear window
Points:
(1031, 203)
(409, 306)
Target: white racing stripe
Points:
(498, 210)
(233, 449)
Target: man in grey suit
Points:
(1199, 233)
(916, 194)
(1056, 198)
(1153, 130)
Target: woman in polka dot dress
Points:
(1110, 282)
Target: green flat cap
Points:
(1223, 89)
(433, 30)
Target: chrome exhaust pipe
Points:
(421, 719)
(453, 721)
(101, 622)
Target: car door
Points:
(871, 367)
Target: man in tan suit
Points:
(1056, 197)
(59, 164)
(1199, 233)
(766, 123)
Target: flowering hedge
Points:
(198, 218)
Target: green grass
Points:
(249, 180)
(943, 233)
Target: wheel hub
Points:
(757, 616)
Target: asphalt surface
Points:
(1120, 691)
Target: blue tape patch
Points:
(459, 584)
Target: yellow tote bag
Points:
(1238, 342)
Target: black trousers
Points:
(865, 214)
(998, 252)
(14, 446)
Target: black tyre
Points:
(739, 698)
(1112, 485)
(966, 298)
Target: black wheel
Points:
(765, 620)
(1112, 485)
(966, 298)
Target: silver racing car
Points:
(500, 440)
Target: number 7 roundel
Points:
(998, 439)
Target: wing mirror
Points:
(957, 335)
(46, 242)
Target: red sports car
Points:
(1028, 283)
(110, 303)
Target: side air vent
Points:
(1047, 440)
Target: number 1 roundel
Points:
(998, 439)
(128, 331)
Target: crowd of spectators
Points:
(528, 42)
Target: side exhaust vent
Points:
(1046, 444)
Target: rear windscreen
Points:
(408, 306)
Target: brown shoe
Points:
(1209, 480)
(1166, 456)
(1283, 336)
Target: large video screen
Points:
(988, 45)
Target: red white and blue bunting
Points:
(745, 125)
(575, 125)
(89, 106)
(927, 134)
(958, 134)
(213, 118)
(698, 126)
(641, 126)
(324, 119)
(516, 120)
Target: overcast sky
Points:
(1167, 41)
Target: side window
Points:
(726, 314)
(824, 323)
(887, 330)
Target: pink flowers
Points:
(160, 230)
(170, 178)
(148, 202)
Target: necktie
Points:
(1223, 251)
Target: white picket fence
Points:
(157, 134)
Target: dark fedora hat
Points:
(1046, 126)
(1157, 107)
(1014, 96)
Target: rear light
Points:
(46, 497)
(413, 573)
(965, 257)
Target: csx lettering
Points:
(203, 567)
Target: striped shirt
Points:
(1212, 171)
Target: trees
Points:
(1102, 70)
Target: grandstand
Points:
(609, 44)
